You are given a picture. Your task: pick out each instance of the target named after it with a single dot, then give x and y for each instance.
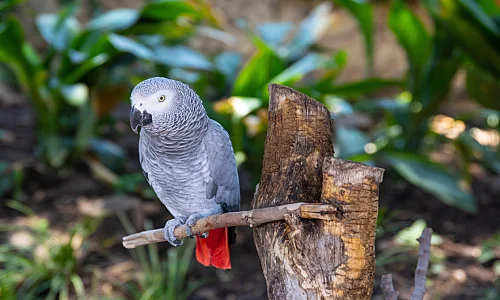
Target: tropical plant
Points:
(81, 74)
(465, 37)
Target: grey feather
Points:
(222, 166)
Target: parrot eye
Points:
(161, 98)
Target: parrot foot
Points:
(195, 217)
(168, 231)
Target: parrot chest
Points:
(180, 181)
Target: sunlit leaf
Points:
(113, 20)
(76, 94)
(433, 178)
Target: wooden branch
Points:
(388, 289)
(420, 272)
(250, 218)
(422, 264)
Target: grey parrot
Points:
(188, 160)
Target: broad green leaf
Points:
(433, 178)
(274, 33)
(12, 41)
(412, 36)
(350, 142)
(114, 20)
(84, 68)
(310, 30)
(58, 32)
(182, 57)
(257, 72)
(363, 12)
(228, 63)
(75, 94)
(128, 45)
(483, 88)
(310, 62)
(362, 87)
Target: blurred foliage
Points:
(36, 264)
(412, 126)
(81, 74)
(159, 278)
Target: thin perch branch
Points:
(422, 264)
(250, 218)
(388, 289)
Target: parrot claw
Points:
(203, 235)
(168, 231)
(190, 222)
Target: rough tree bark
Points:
(314, 259)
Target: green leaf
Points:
(362, 87)
(433, 178)
(128, 45)
(182, 57)
(483, 88)
(489, 7)
(257, 72)
(228, 63)
(413, 36)
(363, 12)
(274, 33)
(350, 141)
(86, 67)
(310, 30)
(114, 20)
(472, 29)
(11, 52)
(58, 31)
(168, 10)
(310, 62)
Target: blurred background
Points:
(412, 86)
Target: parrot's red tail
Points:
(214, 250)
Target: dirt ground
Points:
(57, 196)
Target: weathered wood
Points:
(314, 259)
(250, 218)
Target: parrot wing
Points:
(224, 184)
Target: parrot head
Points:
(161, 105)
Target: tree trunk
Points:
(314, 259)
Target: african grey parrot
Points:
(188, 160)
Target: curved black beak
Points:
(138, 118)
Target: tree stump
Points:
(314, 259)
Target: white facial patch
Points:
(153, 103)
